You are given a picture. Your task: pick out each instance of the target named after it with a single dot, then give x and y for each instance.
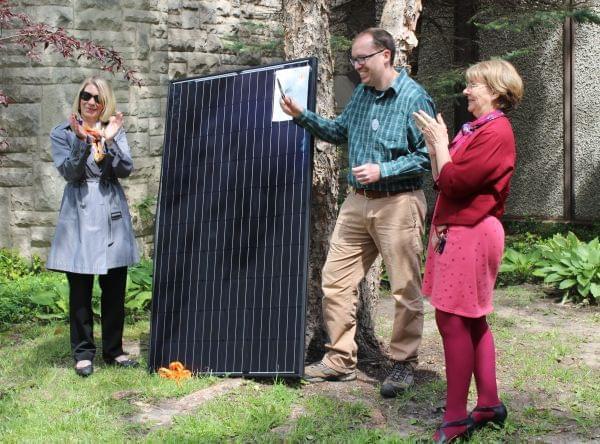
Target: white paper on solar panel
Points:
(294, 83)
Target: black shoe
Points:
(442, 438)
(86, 371)
(401, 377)
(499, 411)
(126, 363)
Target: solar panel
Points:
(231, 241)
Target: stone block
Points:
(16, 160)
(138, 143)
(203, 63)
(55, 15)
(148, 107)
(80, 5)
(21, 120)
(156, 126)
(139, 4)
(190, 19)
(15, 177)
(108, 18)
(151, 92)
(183, 41)
(130, 124)
(24, 93)
(45, 2)
(212, 44)
(156, 145)
(21, 198)
(140, 16)
(143, 41)
(48, 187)
(34, 218)
(120, 38)
(19, 144)
(177, 71)
(41, 237)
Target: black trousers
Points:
(112, 313)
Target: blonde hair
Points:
(502, 78)
(105, 93)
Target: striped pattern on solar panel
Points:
(231, 241)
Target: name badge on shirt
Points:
(374, 124)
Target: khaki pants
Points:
(392, 226)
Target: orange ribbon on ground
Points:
(175, 371)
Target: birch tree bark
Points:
(306, 33)
(399, 18)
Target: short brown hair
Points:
(105, 93)
(502, 78)
(381, 39)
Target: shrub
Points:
(571, 265)
(27, 293)
(517, 267)
(13, 266)
(139, 288)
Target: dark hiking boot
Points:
(319, 372)
(401, 377)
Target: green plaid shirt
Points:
(379, 128)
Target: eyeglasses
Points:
(359, 60)
(86, 96)
(472, 85)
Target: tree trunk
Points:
(306, 33)
(399, 18)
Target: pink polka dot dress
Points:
(461, 279)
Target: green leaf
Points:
(567, 283)
(595, 290)
(552, 278)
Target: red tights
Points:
(468, 350)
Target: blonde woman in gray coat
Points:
(94, 235)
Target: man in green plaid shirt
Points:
(383, 214)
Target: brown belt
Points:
(373, 194)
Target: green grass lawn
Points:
(546, 374)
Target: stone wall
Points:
(163, 40)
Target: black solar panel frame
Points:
(297, 372)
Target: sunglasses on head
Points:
(86, 96)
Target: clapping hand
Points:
(434, 131)
(114, 124)
(77, 126)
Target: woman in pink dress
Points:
(472, 175)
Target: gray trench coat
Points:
(93, 232)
